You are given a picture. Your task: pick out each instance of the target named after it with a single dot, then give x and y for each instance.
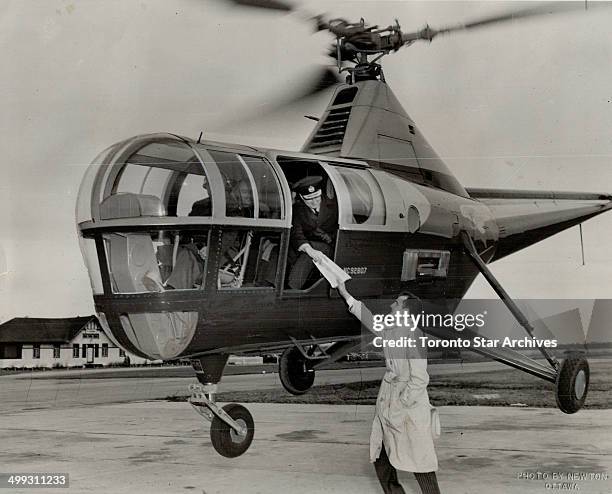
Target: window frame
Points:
(229, 289)
(277, 181)
(104, 260)
(376, 195)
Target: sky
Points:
(524, 105)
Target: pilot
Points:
(315, 221)
(405, 422)
(190, 262)
(238, 198)
(203, 206)
(189, 268)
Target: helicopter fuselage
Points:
(393, 235)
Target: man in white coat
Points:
(405, 422)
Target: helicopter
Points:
(187, 241)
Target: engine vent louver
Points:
(329, 135)
(331, 132)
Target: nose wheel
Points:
(572, 383)
(227, 441)
(232, 427)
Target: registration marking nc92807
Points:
(356, 270)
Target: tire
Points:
(227, 442)
(295, 371)
(572, 384)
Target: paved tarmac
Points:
(77, 426)
(161, 447)
(37, 390)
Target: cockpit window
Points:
(156, 261)
(367, 202)
(251, 187)
(238, 190)
(165, 173)
(266, 186)
(194, 197)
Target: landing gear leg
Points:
(232, 427)
(571, 376)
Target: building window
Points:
(10, 351)
(75, 350)
(121, 352)
(96, 350)
(56, 351)
(35, 351)
(84, 350)
(104, 349)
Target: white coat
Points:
(404, 418)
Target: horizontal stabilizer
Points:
(526, 217)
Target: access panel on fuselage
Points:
(370, 258)
(383, 264)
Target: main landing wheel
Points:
(226, 441)
(572, 383)
(295, 371)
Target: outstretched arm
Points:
(343, 292)
(357, 308)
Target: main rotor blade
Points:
(265, 4)
(429, 33)
(323, 79)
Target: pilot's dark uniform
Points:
(189, 267)
(316, 228)
(201, 208)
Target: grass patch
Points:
(497, 388)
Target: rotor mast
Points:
(363, 46)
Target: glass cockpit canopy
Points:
(144, 211)
(162, 175)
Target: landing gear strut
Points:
(232, 427)
(571, 377)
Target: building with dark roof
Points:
(30, 342)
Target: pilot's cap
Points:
(308, 187)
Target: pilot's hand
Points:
(326, 238)
(316, 255)
(323, 236)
